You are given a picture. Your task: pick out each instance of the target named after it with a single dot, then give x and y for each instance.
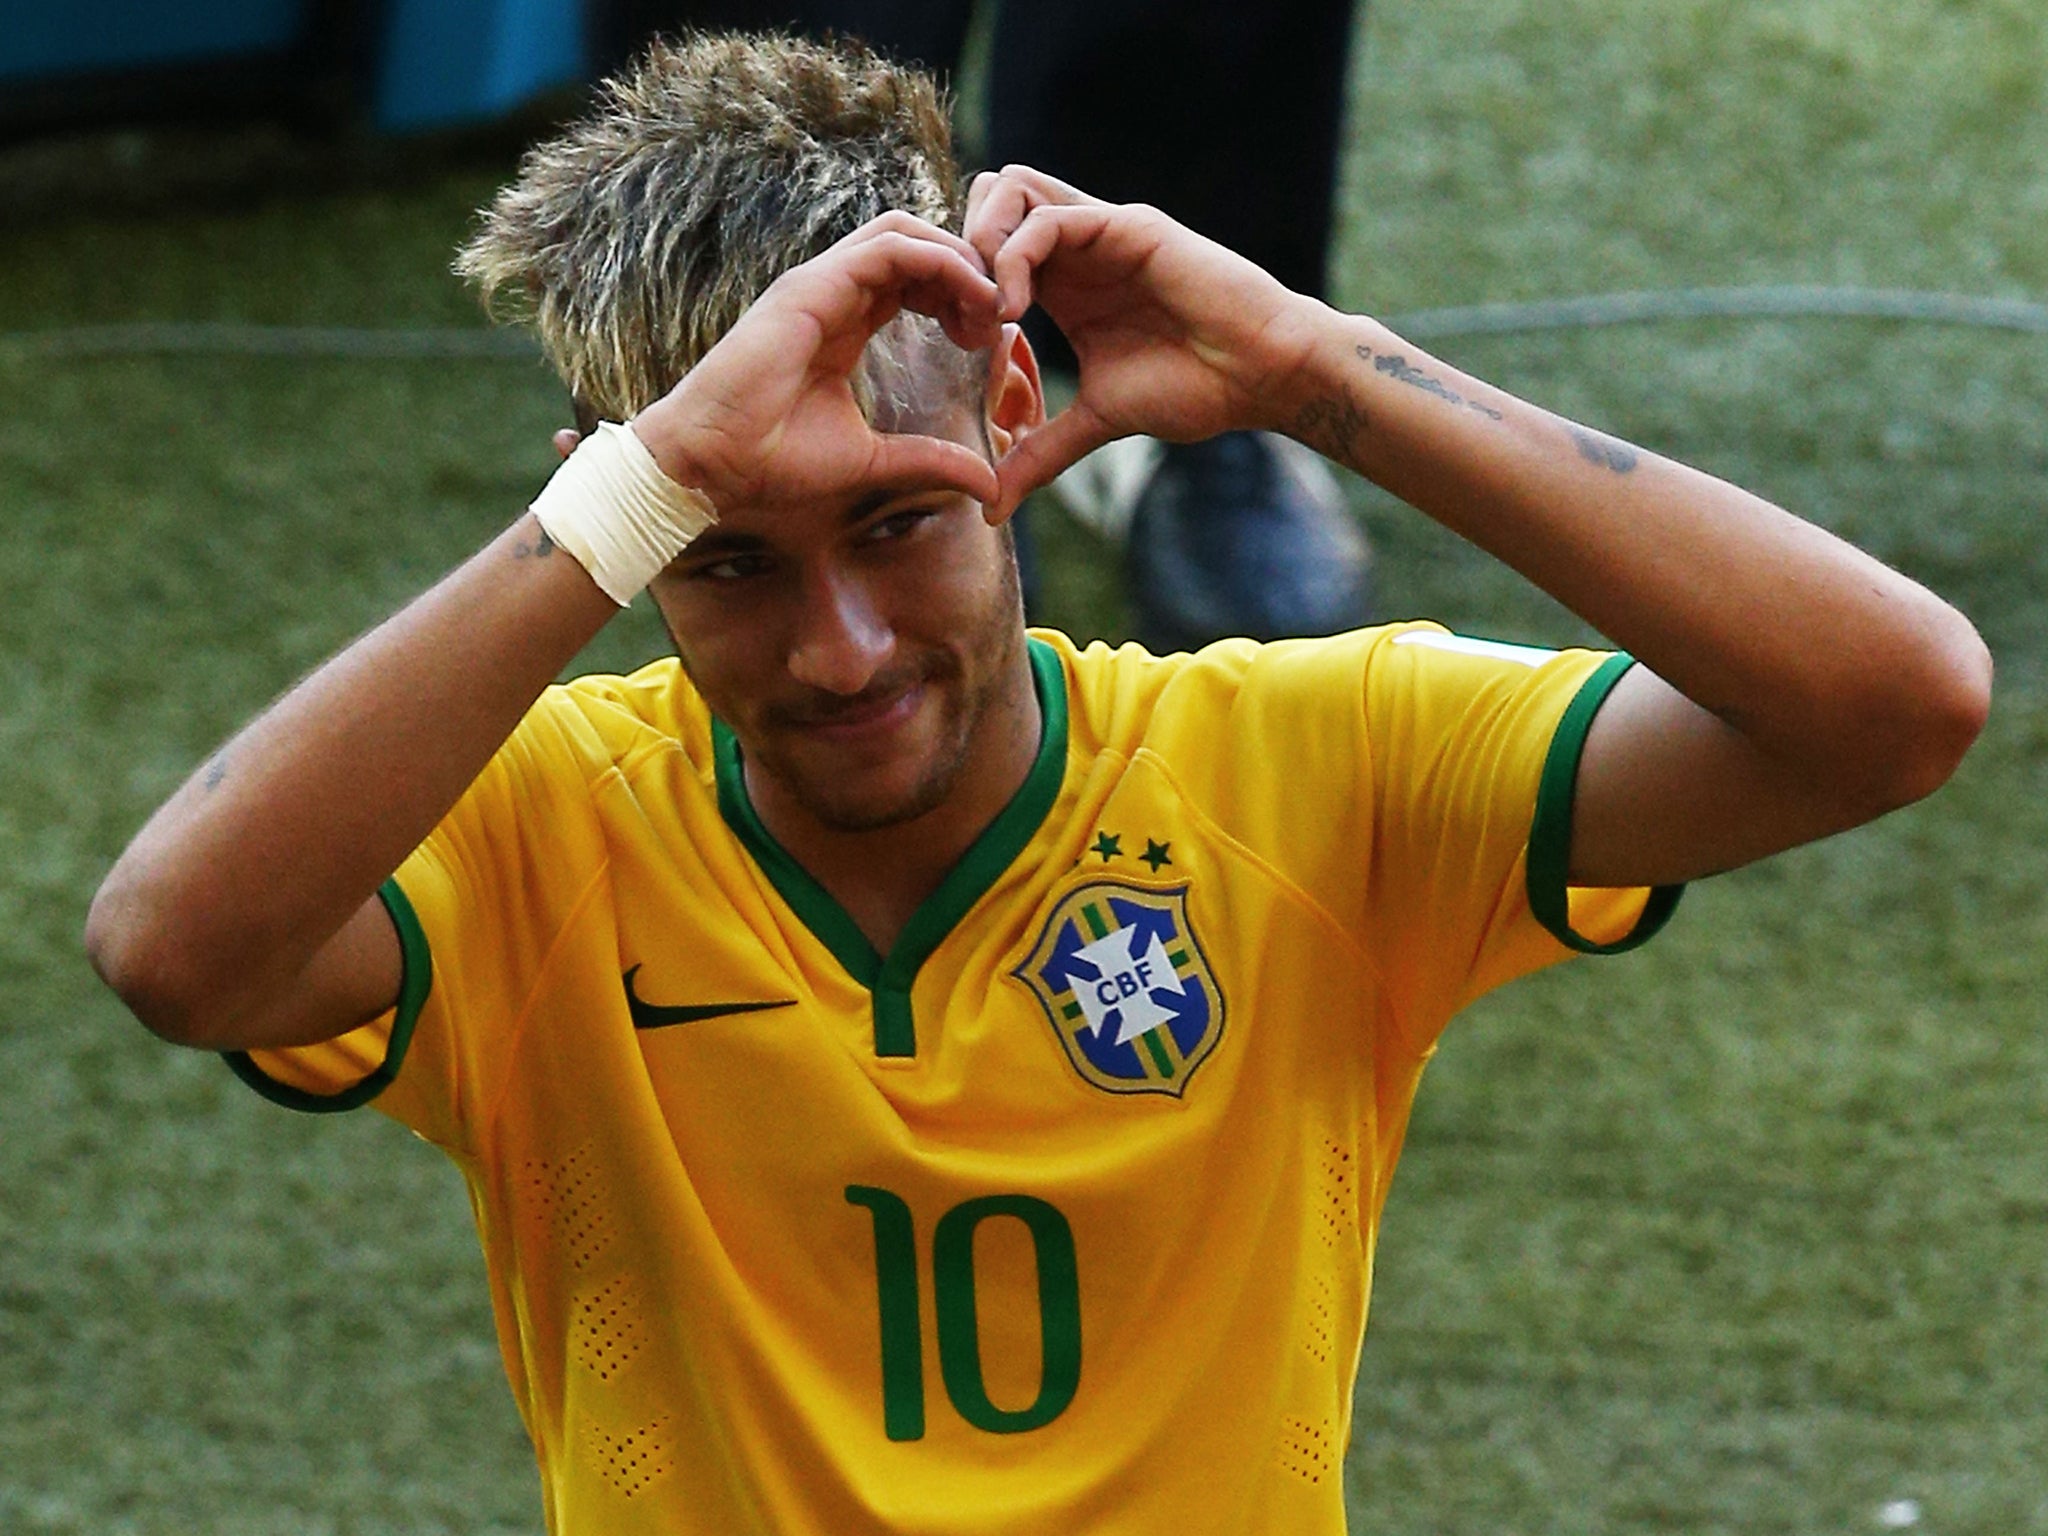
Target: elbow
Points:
(1938, 711)
(138, 955)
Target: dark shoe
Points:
(1245, 534)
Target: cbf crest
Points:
(1126, 987)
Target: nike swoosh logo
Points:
(648, 1015)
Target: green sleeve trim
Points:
(1550, 834)
(416, 979)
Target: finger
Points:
(968, 316)
(565, 441)
(925, 274)
(969, 330)
(1040, 455)
(898, 222)
(970, 327)
(979, 190)
(999, 201)
(1047, 189)
(996, 205)
(1049, 228)
(909, 461)
(851, 293)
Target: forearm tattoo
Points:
(1333, 426)
(1401, 371)
(215, 772)
(539, 549)
(1604, 451)
(1337, 424)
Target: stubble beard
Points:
(964, 714)
(840, 806)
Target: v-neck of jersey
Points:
(888, 978)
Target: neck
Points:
(883, 875)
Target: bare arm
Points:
(244, 913)
(1792, 686)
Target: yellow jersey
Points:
(1060, 1216)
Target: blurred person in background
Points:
(1225, 115)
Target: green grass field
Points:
(1746, 1233)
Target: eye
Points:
(897, 524)
(733, 568)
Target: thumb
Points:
(908, 461)
(1040, 455)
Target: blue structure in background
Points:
(447, 62)
(433, 63)
(98, 35)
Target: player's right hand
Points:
(769, 416)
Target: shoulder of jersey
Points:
(1118, 689)
(656, 703)
(1124, 694)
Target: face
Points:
(868, 654)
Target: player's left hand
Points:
(1176, 336)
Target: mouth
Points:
(865, 717)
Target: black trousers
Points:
(1225, 113)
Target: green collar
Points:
(889, 978)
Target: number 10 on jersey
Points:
(953, 1299)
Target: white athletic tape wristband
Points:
(612, 508)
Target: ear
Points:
(1016, 393)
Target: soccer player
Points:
(912, 1074)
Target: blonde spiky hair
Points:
(710, 166)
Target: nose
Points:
(842, 637)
